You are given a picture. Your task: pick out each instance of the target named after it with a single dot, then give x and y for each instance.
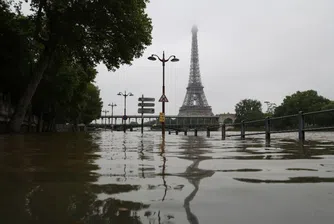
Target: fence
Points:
(301, 123)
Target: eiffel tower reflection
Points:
(194, 148)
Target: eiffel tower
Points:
(195, 103)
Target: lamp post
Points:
(105, 115)
(270, 107)
(173, 58)
(124, 116)
(112, 105)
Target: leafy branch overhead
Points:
(66, 33)
(108, 31)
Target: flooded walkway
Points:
(112, 177)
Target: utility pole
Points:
(105, 116)
(112, 105)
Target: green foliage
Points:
(112, 32)
(323, 119)
(69, 96)
(15, 52)
(248, 109)
(66, 37)
(305, 101)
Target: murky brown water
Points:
(106, 177)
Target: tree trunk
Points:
(22, 106)
(40, 123)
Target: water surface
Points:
(112, 177)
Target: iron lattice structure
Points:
(195, 103)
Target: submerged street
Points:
(116, 177)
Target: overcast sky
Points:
(259, 49)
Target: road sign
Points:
(163, 98)
(146, 99)
(145, 104)
(125, 117)
(146, 111)
(162, 117)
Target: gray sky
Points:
(260, 49)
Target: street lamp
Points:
(172, 58)
(112, 105)
(125, 96)
(105, 115)
(270, 107)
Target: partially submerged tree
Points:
(88, 32)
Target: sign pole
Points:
(142, 113)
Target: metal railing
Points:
(298, 121)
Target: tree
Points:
(305, 101)
(248, 109)
(88, 32)
(15, 52)
(93, 104)
(67, 95)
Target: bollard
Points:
(223, 132)
(301, 132)
(267, 126)
(131, 129)
(195, 132)
(242, 134)
(169, 132)
(207, 132)
(176, 132)
(185, 132)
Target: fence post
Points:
(301, 132)
(267, 125)
(195, 132)
(223, 132)
(207, 132)
(242, 134)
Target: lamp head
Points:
(174, 59)
(119, 94)
(130, 94)
(152, 58)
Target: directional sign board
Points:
(146, 99)
(145, 104)
(163, 98)
(146, 111)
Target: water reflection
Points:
(163, 172)
(53, 181)
(194, 148)
(109, 177)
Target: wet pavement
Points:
(112, 177)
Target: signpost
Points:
(162, 117)
(142, 110)
(146, 104)
(163, 98)
(146, 99)
(146, 110)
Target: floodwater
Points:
(112, 177)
